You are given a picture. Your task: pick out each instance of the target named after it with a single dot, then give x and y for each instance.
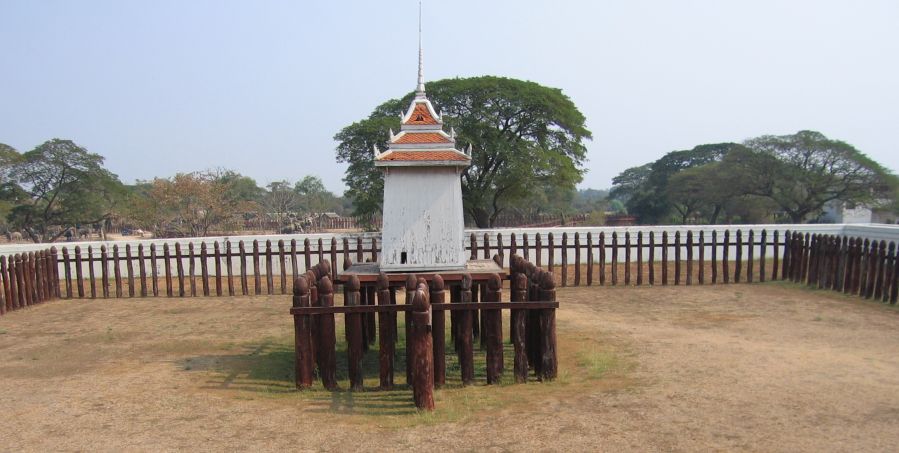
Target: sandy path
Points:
(760, 368)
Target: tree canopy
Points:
(527, 139)
(790, 177)
(56, 186)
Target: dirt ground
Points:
(770, 367)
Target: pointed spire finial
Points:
(420, 89)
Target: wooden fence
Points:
(223, 268)
(28, 279)
(532, 302)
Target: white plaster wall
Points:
(423, 218)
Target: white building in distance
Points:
(423, 225)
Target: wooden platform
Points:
(480, 270)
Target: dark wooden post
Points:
(7, 293)
(302, 334)
(494, 330)
(27, 284)
(538, 247)
(167, 266)
(141, 267)
(354, 337)
(307, 254)
(68, 272)
(890, 262)
(204, 269)
(513, 245)
(614, 258)
(90, 270)
(333, 256)
(548, 368)
(130, 263)
(18, 281)
(602, 258)
(327, 339)
(689, 258)
(438, 296)
(664, 258)
(217, 252)
(763, 250)
(104, 271)
(518, 326)
(564, 259)
(639, 258)
(257, 277)
(473, 246)
(422, 365)
(411, 285)
(714, 257)
(180, 267)
(806, 250)
(486, 247)
(894, 280)
(465, 334)
(677, 258)
(775, 258)
(701, 264)
(627, 258)
(725, 258)
(244, 286)
(850, 266)
(386, 341)
(879, 269)
(750, 257)
(192, 269)
(873, 258)
(229, 265)
(116, 270)
(295, 271)
(589, 259)
(269, 274)
(651, 272)
(551, 259)
(738, 266)
(577, 259)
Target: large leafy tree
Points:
(804, 171)
(60, 185)
(526, 138)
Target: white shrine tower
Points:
(423, 224)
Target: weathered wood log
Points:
(890, 262)
(518, 326)
(20, 281)
(26, 285)
(473, 246)
(333, 256)
(577, 259)
(282, 265)
(354, 335)
(117, 270)
(466, 347)
(677, 258)
(67, 268)
(639, 258)
(411, 286)
(549, 360)
(494, 331)
(438, 321)
(651, 272)
(229, 265)
(141, 267)
(128, 258)
(589, 259)
(664, 258)
(627, 258)
(386, 342)
(880, 267)
(689, 247)
(167, 266)
(894, 280)
(701, 264)
(316, 321)
(327, 339)
(785, 254)
(90, 271)
(307, 254)
(359, 250)
(486, 248)
(180, 268)
(614, 259)
(725, 261)
(192, 269)
(374, 250)
(104, 270)
(714, 257)
(538, 247)
(421, 350)
(7, 287)
(204, 269)
(750, 258)
(244, 286)
(217, 255)
(564, 259)
(302, 325)
(602, 259)
(738, 265)
(295, 271)
(269, 273)
(257, 276)
(551, 252)
(763, 251)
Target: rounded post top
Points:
(520, 282)
(411, 282)
(420, 302)
(300, 286)
(325, 287)
(466, 282)
(494, 282)
(383, 282)
(347, 263)
(547, 281)
(353, 283)
(437, 283)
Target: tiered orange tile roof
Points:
(421, 115)
(421, 137)
(423, 156)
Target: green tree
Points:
(63, 185)
(804, 171)
(525, 137)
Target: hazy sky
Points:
(261, 87)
